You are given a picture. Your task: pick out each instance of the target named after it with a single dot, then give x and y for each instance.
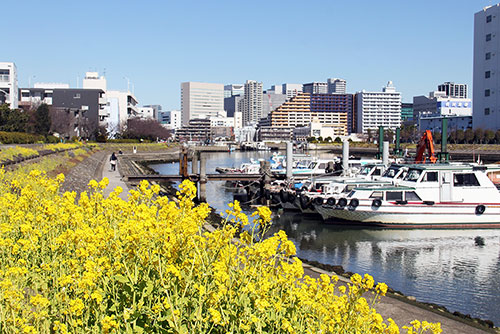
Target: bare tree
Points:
(138, 128)
(61, 122)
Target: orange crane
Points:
(426, 143)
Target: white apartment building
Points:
(222, 121)
(377, 109)
(291, 90)
(171, 119)
(92, 80)
(486, 88)
(122, 106)
(9, 91)
(201, 100)
(336, 86)
(146, 112)
(238, 120)
(252, 102)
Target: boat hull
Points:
(441, 215)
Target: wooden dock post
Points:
(183, 163)
(265, 172)
(194, 162)
(202, 187)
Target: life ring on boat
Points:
(377, 202)
(480, 209)
(304, 202)
(319, 201)
(342, 202)
(354, 202)
(330, 201)
(283, 196)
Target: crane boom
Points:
(425, 143)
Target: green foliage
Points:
(42, 120)
(338, 140)
(12, 119)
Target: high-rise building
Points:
(406, 112)
(252, 102)
(336, 86)
(486, 88)
(92, 80)
(201, 100)
(9, 92)
(454, 90)
(291, 89)
(331, 110)
(376, 109)
(234, 90)
(315, 88)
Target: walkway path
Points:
(114, 178)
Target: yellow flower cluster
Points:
(17, 151)
(105, 265)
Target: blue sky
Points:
(159, 44)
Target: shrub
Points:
(102, 265)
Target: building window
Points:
(488, 37)
(486, 111)
(486, 92)
(488, 19)
(488, 55)
(487, 74)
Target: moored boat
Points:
(430, 196)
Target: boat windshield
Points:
(391, 172)
(413, 175)
(365, 170)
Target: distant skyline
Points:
(158, 44)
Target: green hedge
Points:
(25, 138)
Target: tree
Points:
(489, 136)
(150, 129)
(389, 135)
(478, 136)
(469, 136)
(42, 120)
(452, 137)
(12, 119)
(460, 136)
(436, 136)
(61, 122)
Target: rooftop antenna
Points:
(104, 72)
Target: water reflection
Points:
(439, 266)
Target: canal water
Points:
(436, 266)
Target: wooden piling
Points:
(202, 186)
(194, 163)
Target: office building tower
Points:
(336, 86)
(252, 102)
(375, 109)
(454, 90)
(486, 88)
(271, 101)
(201, 100)
(291, 90)
(316, 88)
(9, 92)
(234, 90)
(156, 109)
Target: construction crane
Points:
(426, 143)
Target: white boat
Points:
(430, 196)
(294, 197)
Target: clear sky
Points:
(159, 44)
